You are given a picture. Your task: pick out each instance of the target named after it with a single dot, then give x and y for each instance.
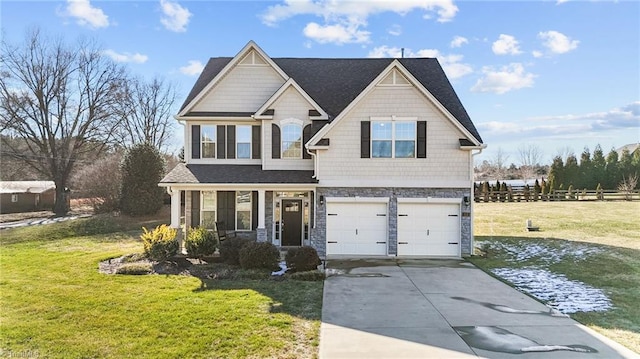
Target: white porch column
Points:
(261, 208)
(175, 208)
(261, 231)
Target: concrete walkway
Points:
(444, 309)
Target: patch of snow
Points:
(334, 271)
(567, 296)
(523, 251)
(283, 268)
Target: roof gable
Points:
(291, 83)
(216, 70)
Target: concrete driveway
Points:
(443, 309)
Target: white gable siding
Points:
(290, 105)
(244, 89)
(445, 165)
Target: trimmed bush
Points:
(134, 269)
(230, 250)
(302, 259)
(260, 255)
(200, 242)
(160, 243)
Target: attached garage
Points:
(428, 228)
(357, 227)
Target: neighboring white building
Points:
(355, 157)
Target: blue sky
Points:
(557, 74)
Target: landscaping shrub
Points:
(200, 242)
(260, 255)
(230, 250)
(160, 243)
(134, 268)
(302, 259)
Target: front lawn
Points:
(594, 243)
(56, 304)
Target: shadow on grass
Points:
(615, 270)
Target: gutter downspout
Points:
(472, 195)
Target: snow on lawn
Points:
(524, 251)
(567, 296)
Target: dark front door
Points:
(291, 222)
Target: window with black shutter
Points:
(275, 141)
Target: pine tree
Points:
(556, 172)
(599, 164)
(142, 168)
(585, 179)
(571, 170)
(612, 171)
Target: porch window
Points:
(243, 210)
(208, 209)
(243, 141)
(292, 141)
(208, 140)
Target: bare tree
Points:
(628, 186)
(499, 162)
(60, 99)
(146, 113)
(530, 156)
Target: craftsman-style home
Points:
(355, 157)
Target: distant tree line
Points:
(595, 169)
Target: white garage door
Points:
(357, 228)
(429, 229)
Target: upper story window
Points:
(208, 141)
(393, 139)
(243, 141)
(292, 141)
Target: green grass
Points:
(610, 227)
(55, 303)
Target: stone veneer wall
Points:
(318, 234)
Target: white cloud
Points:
(193, 68)
(126, 57)
(458, 41)
(506, 45)
(395, 30)
(176, 17)
(87, 15)
(557, 42)
(338, 33)
(503, 80)
(451, 64)
(537, 54)
(350, 16)
(567, 126)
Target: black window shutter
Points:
(275, 141)
(227, 209)
(195, 208)
(365, 139)
(221, 142)
(195, 141)
(256, 146)
(254, 210)
(306, 136)
(231, 141)
(421, 150)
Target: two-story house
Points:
(356, 157)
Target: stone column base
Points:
(261, 234)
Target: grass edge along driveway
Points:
(609, 230)
(56, 304)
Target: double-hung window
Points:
(208, 141)
(393, 139)
(292, 141)
(243, 141)
(208, 216)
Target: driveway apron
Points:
(443, 309)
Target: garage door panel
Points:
(357, 228)
(428, 229)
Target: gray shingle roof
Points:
(335, 83)
(241, 174)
